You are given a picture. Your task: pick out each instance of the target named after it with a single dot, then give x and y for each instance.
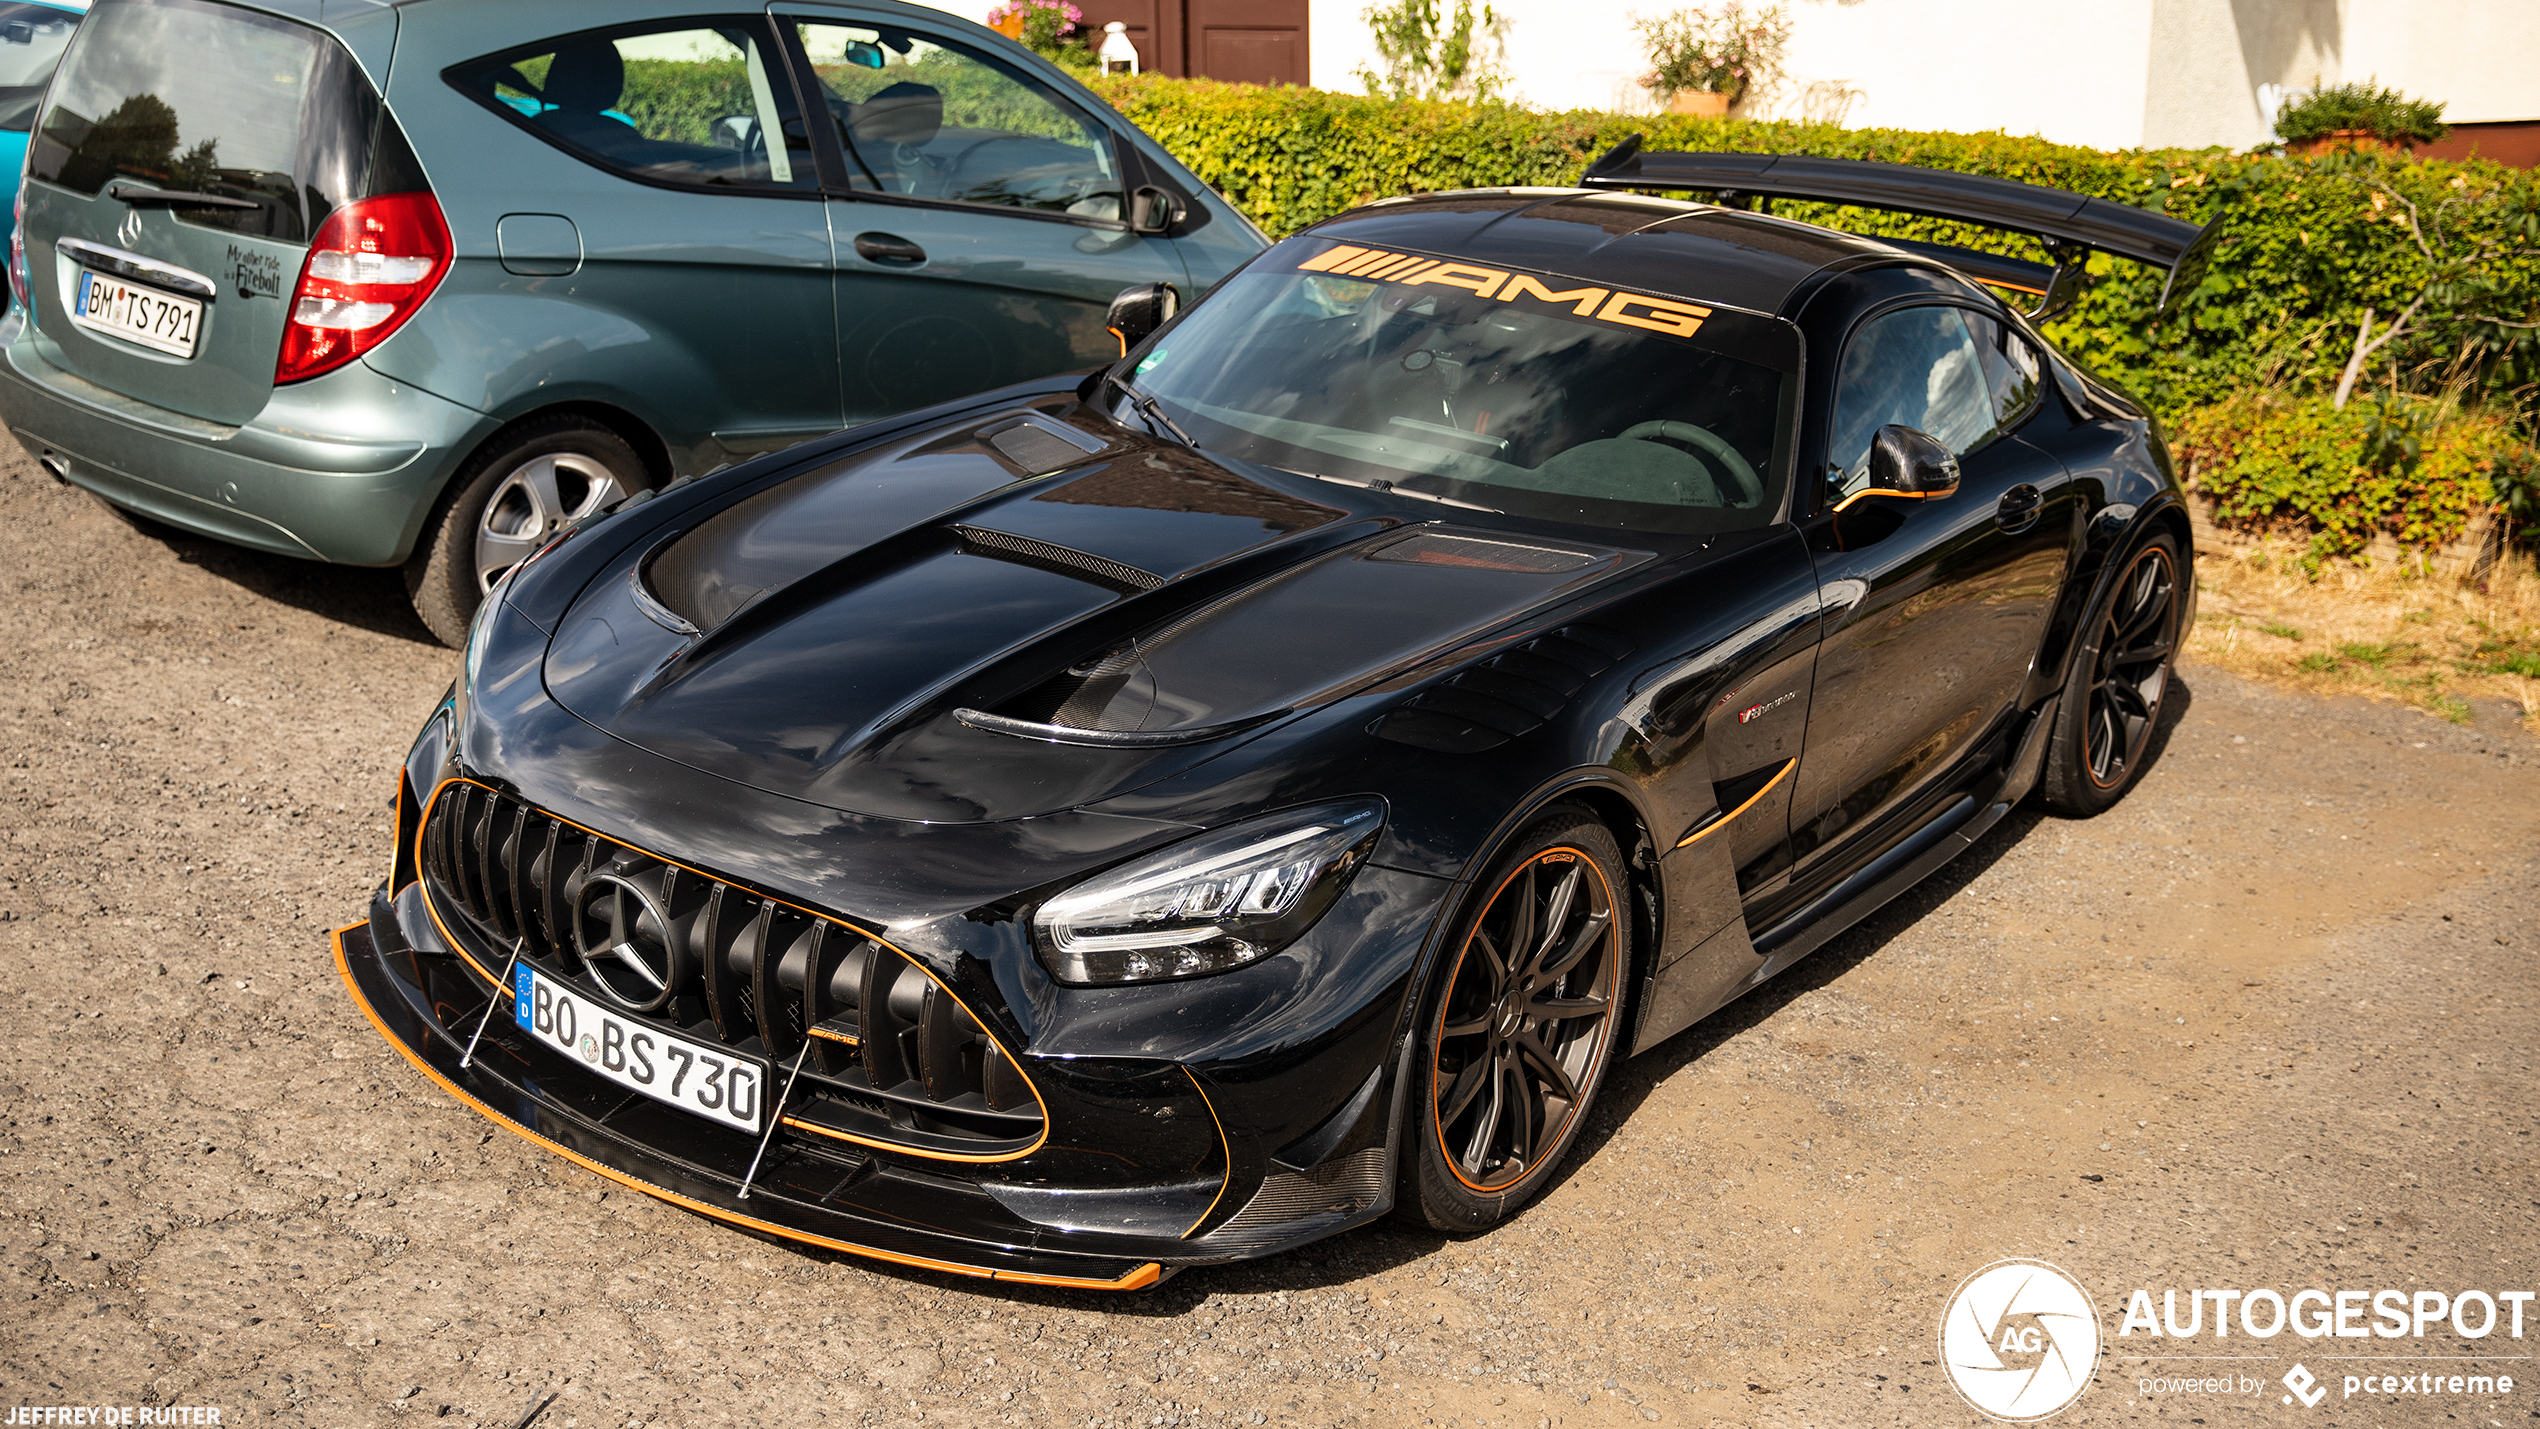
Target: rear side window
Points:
(702, 104)
(32, 38)
(933, 120)
(204, 98)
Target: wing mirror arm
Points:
(1139, 311)
(1908, 464)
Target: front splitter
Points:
(390, 987)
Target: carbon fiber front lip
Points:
(388, 982)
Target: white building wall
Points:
(2108, 74)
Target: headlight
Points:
(1217, 902)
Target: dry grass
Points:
(2394, 630)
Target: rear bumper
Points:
(342, 468)
(427, 1006)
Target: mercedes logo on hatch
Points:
(624, 935)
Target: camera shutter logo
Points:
(2019, 1340)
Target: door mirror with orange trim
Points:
(1904, 462)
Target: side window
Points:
(2012, 369)
(1915, 367)
(932, 120)
(707, 106)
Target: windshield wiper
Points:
(1149, 408)
(139, 197)
(1391, 489)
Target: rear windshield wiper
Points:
(139, 197)
(1149, 408)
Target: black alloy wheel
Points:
(1520, 1035)
(2112, 703)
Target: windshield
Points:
(1517, 392)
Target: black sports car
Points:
(1151, 819)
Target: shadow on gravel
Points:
(1373, 1249)
(360, 596)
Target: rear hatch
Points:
(186, 154)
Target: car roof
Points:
(1698, 251)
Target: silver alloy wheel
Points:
(540, 497)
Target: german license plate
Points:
(711, 1081)
(105, 303)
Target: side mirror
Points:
(1904, 462)
(1141, 310)
(1152, 210)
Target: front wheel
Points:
(510, 499)
(1519, 1026)
(2112, 700)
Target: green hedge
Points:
(2415, 470)
(2307, 247)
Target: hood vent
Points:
(1050, 556)
(1041, 446)
(1512, 693)
(1441, 548)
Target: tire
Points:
(2112, 700)
(515, 493)
(1501, 1085)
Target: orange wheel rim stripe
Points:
(1437, 1129)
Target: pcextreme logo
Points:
(2019, 1340)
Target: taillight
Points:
(17, 249)
(374, 262)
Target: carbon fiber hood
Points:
(881, 637)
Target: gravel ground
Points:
(2268, 1023)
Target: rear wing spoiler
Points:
(2071, 225)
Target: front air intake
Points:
(890, 1056)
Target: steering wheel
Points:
(1750, 492)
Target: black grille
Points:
(1511, 693)
(894, 1058)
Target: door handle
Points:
(888, 249)
(2019, 507)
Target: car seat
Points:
(583, 81)
(891, 130)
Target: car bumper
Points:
(342, 468)
(429, 1006)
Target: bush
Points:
(2385, 114)
(2415, 470)
(2309, 243)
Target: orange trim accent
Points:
(425, 885)
(1722, 822)
(1139, 1278)
(1124, 339)
(1880, 491)
(1221, 1141)
(1439, 1131)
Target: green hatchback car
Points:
(419, 284)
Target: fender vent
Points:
(1510, 694)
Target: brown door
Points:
(1243, 41)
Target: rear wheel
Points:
(2112, 701)
(1519, 1027)
(510, 499)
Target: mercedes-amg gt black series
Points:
(1160, 816)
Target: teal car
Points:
(32, 38)
(419, 284)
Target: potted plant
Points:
(1707, 58)
(1051, 28)
(2358, 116)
